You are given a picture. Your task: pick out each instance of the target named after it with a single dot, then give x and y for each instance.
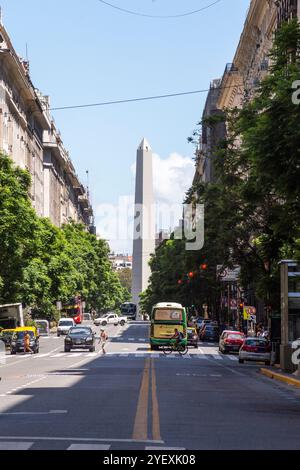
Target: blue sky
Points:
(84, 52)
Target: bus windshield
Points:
(168, 315)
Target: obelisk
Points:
(144, 222)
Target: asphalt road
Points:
(133, 398)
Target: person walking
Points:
(103, 339)
(27, 347)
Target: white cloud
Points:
(172, 177)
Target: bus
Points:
(73, 309)
(165, 317)
(128, 309)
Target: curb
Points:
(280, 377)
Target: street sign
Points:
(249, 312)
(227, 274)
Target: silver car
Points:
(255, 349)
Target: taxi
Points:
(17, 342)
(6, 336)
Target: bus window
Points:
(167, 315)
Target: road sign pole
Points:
(228, 300)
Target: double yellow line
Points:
(140, 430)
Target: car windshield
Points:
(21, 334)
(255, 342)
(235, 336)
(6, 334)
(66, 323)
(80, 331)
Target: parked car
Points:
(192, 337)
(64, 326)
(255, 349)
(209, 332)
(17, 341)
(201, 322)
(80, 337)
(6, 337)
(231, 341)
(110, 318)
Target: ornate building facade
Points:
(29, 136)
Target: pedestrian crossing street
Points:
(69, 445)
(199, 354)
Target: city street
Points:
(133, 398)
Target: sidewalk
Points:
(278, 374)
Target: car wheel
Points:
(241, 361)
(104, 323)
(267, 363)
(196, 346)
(115, 324)
(154, 348)
(67, 349)
(58, 334)
(12, 352)
(92, 349)
(122, 323)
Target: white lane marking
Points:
(41, 355)
(69, 355)
(59, 355)
(92, 354)
(33, 413)
(26, 357)
(131, 339)
(155, 355)
(77, 439)
(233, 358)
(140, 355)
(15, 445)
(124, 355)
(164, 448)
(88, 447)
(217, 357)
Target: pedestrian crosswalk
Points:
(193, 354)
(65, 444)
(201, 355)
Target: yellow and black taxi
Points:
(18, 341)
(6, 336)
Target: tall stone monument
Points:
(144, 222)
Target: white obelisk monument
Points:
(144, 222)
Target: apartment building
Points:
(29, 136)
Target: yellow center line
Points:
(140, 430)
(155, 409)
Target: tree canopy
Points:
(252, 214)
(41, 264)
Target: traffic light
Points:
(191, 274)
(203, 266)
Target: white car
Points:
(64, 326)
(110, 319)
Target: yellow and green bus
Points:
(165, 318)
